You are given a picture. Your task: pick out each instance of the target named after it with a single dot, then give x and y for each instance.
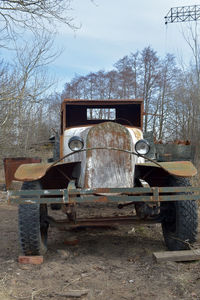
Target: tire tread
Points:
(186, 220)
(29, 224)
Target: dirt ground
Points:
(106, 264)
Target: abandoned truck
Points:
(104, 160)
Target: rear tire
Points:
(180, 219)
(33, 227)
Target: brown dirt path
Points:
(106, 264)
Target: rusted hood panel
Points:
(106, 168)
(35, 171)
(176, 168)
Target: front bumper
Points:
(72, 195)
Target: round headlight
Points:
(142, 147)
(75, 143)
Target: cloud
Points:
(112, 29)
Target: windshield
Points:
(79, 115)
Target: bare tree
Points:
(149, 80)
(164, 103)
(141, 74)
(191, 85)
(20, 14)
(125, 78)
(29, 86)
(191, 36)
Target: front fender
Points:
(175, 168)
(51, 176)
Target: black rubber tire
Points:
(180, 219)
(33, 228)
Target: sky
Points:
(111, 29)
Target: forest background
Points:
(30, 112)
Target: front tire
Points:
(180, 219)
(33, 228)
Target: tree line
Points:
(28, 29)
(170, 93)
(29, 113)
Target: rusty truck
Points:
(103, 159)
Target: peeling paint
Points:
(30, 201)
(113, 136)
(107, 168)
(46, 192)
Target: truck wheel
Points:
(32, 225)
(180, 219)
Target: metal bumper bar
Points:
(104, 195)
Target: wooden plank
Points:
(33, 260)
(184, 255)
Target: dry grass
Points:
(195, 181)
(2, 177)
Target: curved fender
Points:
(35, 171)
(176, 168)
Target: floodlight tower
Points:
(183, 14)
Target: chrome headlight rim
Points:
(76, 139)
(144, 142)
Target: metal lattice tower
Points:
(183, 14)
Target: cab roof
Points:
(102, 102)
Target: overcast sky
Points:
(111, 29)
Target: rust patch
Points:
(12, 164)
(61, 146)
(107, 168)
(105, 190)
(137, 132)
(103, 199)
